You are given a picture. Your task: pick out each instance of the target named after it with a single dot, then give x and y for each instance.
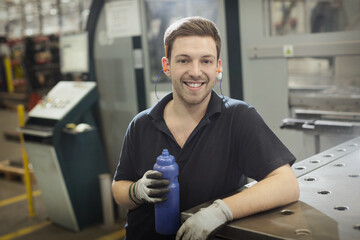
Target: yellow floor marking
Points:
(18, 198)
(113, 236)
(25, 231)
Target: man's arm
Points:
(278, 188)
(120, 191)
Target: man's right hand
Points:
(151, 187)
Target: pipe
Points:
(27, 179)
(106, 199)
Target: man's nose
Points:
(195, 70)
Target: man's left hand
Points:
(206, 221)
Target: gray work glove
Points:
(200, 225)
(152, 187)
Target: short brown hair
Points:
(191, 26)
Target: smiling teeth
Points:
(194, 84)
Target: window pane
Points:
(15, 21)
(3, 18)
(50, 16)
(313, 16)
(70, 16)
(32, 19)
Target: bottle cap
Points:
(165, 158)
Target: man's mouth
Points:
(194, 84)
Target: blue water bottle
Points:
(167, 213)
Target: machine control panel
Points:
(54, 102)
(61, 99)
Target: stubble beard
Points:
(192, 99)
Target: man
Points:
(215, 141)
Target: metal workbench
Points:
(328, 207)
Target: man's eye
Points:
(183, 61)
(207, 61)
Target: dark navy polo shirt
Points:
(230, 141)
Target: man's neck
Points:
(189, 111)
(182, 118)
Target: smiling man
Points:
(193, 69)
(216, 141)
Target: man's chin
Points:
(195, 100)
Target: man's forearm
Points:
(120, 191)
(280, 187)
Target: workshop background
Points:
(73, 73)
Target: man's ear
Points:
(219, 68)
(165, 64)
(219, 71)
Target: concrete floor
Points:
(14, 220)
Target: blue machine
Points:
(67, 163)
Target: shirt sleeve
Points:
(260, 150)
(125, 169)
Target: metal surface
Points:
(34, 132)
(328, 208)
(305, 50)
(351, 128)
(334, 190)
(52, 184)
(319, 160)
(324, 114)
(348, 101)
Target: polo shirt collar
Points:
(215, 106)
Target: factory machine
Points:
(301, 70)
(67, 160)
(326, 108)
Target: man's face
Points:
(192, 69)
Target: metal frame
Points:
(306, 50)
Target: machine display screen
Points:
(74, 56)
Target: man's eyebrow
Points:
(182, 55)
(208, 56)
(205, 56)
